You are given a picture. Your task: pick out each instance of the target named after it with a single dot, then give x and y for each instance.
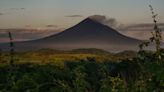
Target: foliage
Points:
(112, 84)
(136, 75)
(156, 36)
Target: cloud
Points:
(51, 26)
(142, 27)
(17, 9)
(22, 8)
(74, 16)
(146, 25)
(27, 25)
(112, 22)
(140, 31)
(13, 9)
(1, 14)
(26, 34)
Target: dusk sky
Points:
(65, 13)
(133, 17)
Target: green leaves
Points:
(143, 45)
(156, 38)
(25, 84)
(139, 74)
(112, 84)
(80, 84)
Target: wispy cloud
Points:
(27, 25)
(52, 26)
(17, 9)
(142, 27)
(22, 8)
(146, 25)
(1, 14)
(111, 22)
(26, 34)
(140, 31)
(74, 16)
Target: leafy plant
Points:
(156, 34)
(80, 84)
(112, 84)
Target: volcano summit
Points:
(86, 34)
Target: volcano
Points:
(86, 34)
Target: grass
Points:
(59, 57)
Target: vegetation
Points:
(83, 70)
(156, 36)
(140, 74)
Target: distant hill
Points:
(91, 51)
(74, 51)
(126, 54)
(86, 34)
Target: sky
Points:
(58, 15)
(65, 13)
